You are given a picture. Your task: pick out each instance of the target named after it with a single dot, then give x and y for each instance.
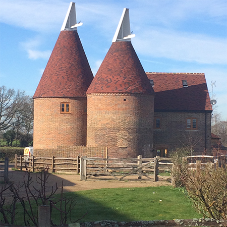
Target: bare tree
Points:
(220, 129)
(8, 107)
(23, 120)
(16, 114)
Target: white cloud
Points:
(33, 15)
(187, 47)
(31, 47)
(36, 54)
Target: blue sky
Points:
(171, 36)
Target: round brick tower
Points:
(121, 100)
(60, 103)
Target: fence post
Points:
(53, 170)
(83, 168)
(78, 164)
(139, 163)
(44, 216)
(33, 164)
(155, 169)
(198, 164)
(20, 162)
(6, 170)
(106, 158)
(15, 162)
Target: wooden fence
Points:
(52, 163)
(88, 167)
(119, 168)
(4, 170)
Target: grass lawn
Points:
(127, 204)
(133, 204)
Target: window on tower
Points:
(65, 107)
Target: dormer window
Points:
(152, 83)
(185, 83)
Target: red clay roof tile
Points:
(121, 72)
(67, 73)
(171, 95)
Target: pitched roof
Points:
(121, 72)
(67, 73)
(170, 95)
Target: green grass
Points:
(133, 204)
(129, 204)
(165, 173)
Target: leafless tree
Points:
(8, 107)
(219, 128)
(23, 119)
(16, 113)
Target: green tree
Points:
(9, 136)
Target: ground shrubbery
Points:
(9, 152)
(206, 186)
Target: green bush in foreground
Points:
(207, 187)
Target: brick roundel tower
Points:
(60, 104)
(121, 100)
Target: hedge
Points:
(10, 152)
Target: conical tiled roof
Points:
(67, 73)
(121, 72)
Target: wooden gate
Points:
(119, 168)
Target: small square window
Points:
(65, 107)
(185, 83)
(191, 123)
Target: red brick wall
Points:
(53, 129)
(173, 133)
(72, 152)
(122, 122)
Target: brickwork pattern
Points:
(173, 133)
(53, 129)
(72, 152)
(122, 122)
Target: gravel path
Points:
(72, 182)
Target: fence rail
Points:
(119, 168)
(88, 167)
(4, 170)
(52, 163)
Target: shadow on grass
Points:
(118, 204)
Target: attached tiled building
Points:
(123, 108)
(182, 112)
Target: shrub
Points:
(207, 187)
(10, 152)
(180, 166)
